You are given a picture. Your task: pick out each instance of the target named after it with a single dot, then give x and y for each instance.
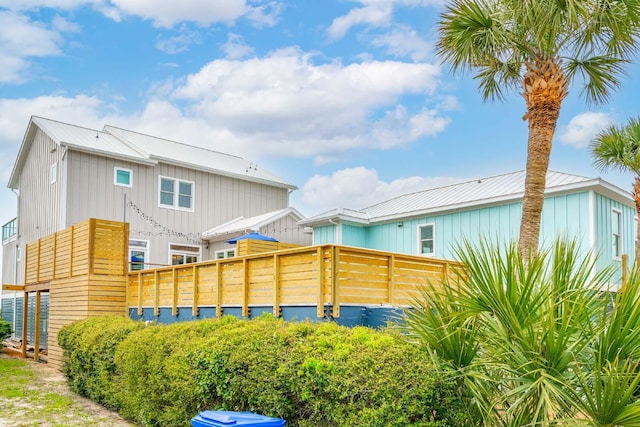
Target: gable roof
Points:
(140, 148)
(470, 194)
(243, 225)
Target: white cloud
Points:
(360, 187)
(404, 42)
(180, 42)
(583, 128)
(374, 13)
(167, 13)
(285, 104)
(20, 40)
(235, 47)
(55, 4)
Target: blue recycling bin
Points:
(234, 419)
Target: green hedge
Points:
(5, 330)
(310, 374)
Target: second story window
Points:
(53, 173)
(122, 177)
(176, 193)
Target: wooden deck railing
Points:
(94, 247)
(307, 276)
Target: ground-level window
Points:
(426, 239)
(138, 254)
(227, 253)
(183, 254)
(175, 193)
(616, 227)
(122, 177)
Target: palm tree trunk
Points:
(545, 86)
(636, 199)
(542, 125)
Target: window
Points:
(10, 230)
(53, 173)
(426, 239)
(616, 227)
(183, 254)
(138, 254)
(176, 194)
(227, 253)
(122, 177)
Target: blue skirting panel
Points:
(371, 316)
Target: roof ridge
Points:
(174, 142)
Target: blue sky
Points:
(345, 98)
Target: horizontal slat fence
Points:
(92, 247)
(304, 276)
(251, 246)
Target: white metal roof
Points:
(140, 148)
(168, 151)
(483, 191)
(243, 225)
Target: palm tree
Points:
(540, 47)
(534, 341)
(619, 148)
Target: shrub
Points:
(310, 374)
(5, 329)
(89, 347)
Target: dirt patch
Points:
(32, 394)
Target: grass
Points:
(33, 395)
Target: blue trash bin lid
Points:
(233, 419)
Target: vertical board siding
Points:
(39, 199)
(324, 234)
(353, 235)
(567, 213)
(217, 199)
(604, 233)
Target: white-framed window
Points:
(175, 193)
(53, 173)
(122, 177)
(426, 239)
(616, 232)
(138, 254)
(226, 253)
(183, 254)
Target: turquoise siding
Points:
(603, 207)
(325, 234)
(353, 235)
(568, 214)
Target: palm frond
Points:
(600, 75)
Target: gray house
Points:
(169, 192)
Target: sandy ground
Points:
(36, 395)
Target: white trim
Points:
(176, 194)
(145, 249)
(63, 189)
(117, 169)
(53, 173)
(172, 252)
(419, 238)
(592, 232)
(620, 234)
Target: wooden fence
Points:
(326, 275)
(92, 247)
(84, 269)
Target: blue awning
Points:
(254, 236)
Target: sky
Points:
(345, 99)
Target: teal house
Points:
(599, 215)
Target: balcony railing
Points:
(10, 230)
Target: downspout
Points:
(338, 230)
